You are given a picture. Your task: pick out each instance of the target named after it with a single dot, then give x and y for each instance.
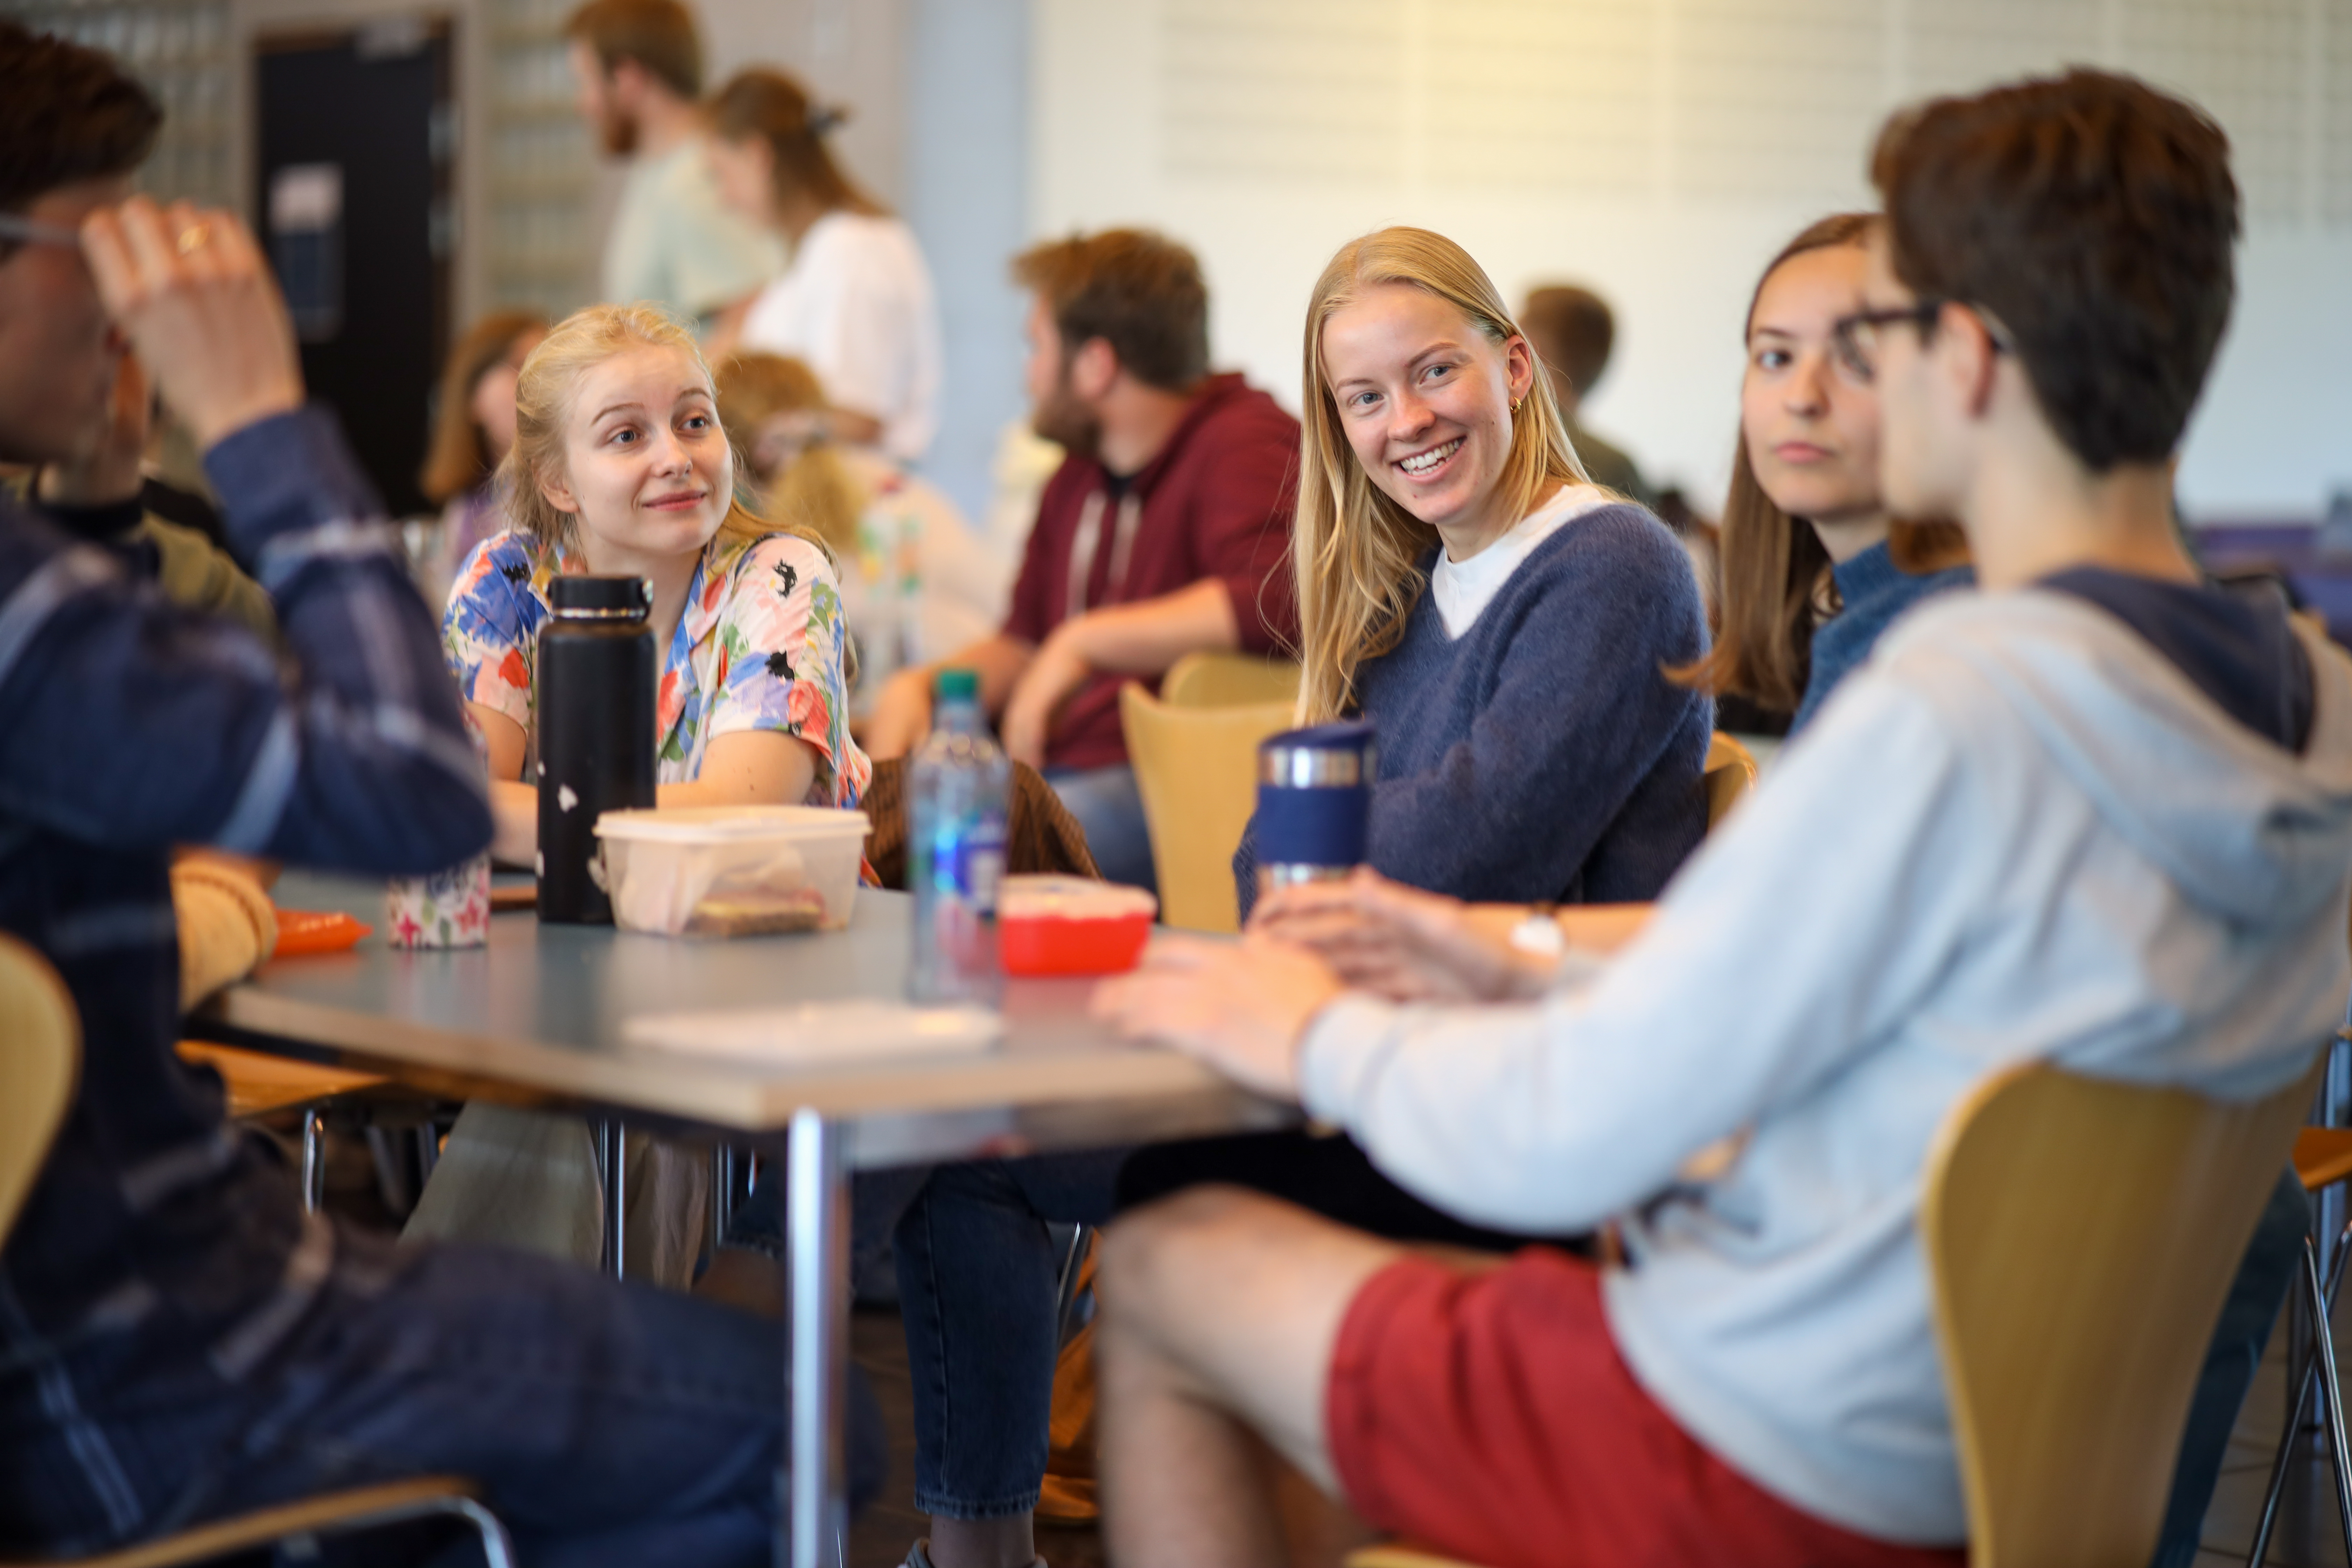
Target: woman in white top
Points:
(856, 302)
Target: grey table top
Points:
(537, 1017)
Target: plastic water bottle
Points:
(955, 849)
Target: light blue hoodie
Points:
(2017, 833)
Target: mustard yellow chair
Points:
(40, 1057)
(40, 1061)
(1228, 680)
(2080, 1233)
(1196, 769)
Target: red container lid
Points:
(1040, 898)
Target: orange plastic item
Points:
(1068, 925)
(311, 931)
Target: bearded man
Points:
(638, 67)
(1166, 531)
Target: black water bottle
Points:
(596, 677)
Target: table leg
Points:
(314, 1159)
(613, 1161)
(722, 1194)
(816, 1223)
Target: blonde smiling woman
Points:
(620, 467)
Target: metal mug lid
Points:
(1322, 756)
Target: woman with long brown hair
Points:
(1814, 567)
(856, 302)
(472, 430)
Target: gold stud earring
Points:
(1514, 404)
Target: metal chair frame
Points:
(2317, 1379)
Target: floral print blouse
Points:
(760, 646)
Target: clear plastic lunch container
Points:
(731, 870)
(1070, 926)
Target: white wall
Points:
(1662, 149)
(967, 141)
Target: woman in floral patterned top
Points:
(619, 467)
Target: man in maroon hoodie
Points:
(1167, 531)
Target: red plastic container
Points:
(1068, 925)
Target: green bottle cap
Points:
(958, 685)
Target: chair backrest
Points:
(1730, 774)
(1228, 680)
(1196, 769)
(40, 1057)
(2080, 1233)
(1040, 834)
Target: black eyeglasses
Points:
(32, 231)
(1854, 339)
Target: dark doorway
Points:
(356, 137)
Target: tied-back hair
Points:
(815, 490)
(775, 109)
(1776, 572)
(1356, 554)
(544, 392)
(459, 458)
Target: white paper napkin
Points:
(815, 1033)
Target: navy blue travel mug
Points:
(1314, 803)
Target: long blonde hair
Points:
(544, 391)
(815, 489)
(1355, 552)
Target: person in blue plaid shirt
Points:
(178, 1340)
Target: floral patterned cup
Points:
(449, 909)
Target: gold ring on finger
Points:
(193, 237)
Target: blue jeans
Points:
(609, 1424)
(1106, 806)
(976, 1286)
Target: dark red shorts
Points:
(1488, 1415)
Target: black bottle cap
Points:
(602, 598)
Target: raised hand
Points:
(192, 293)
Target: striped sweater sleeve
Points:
(135, 724)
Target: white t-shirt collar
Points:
(1463, 589)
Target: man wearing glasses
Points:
(2097, 814)
(178, 1339)
(86, 433)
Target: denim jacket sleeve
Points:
(131, 723)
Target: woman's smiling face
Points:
(647, 471)
(1424, 398)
